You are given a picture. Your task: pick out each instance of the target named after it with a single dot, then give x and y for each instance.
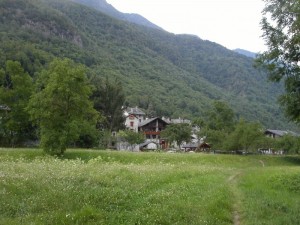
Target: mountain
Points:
(174, 75)
(245, 53)
(108, 9)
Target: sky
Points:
(231, 23)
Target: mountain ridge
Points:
(104, 7)
(178, 75)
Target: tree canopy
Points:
(133, 138)
(281, 28)
(246, 136)
(61, 106)
(178, 133)
(109, 98)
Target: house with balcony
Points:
(152, 129)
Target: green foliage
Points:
(288, 143)
(16, 87)
(61, 107)
(215, 138)
(221, 117)
(219, 124)
(133, 138)
(178, 133)
(280, 25)
(109, 98)
(246, 136)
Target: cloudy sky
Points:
(231, 23)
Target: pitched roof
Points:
(280, 132)
(135, 111)
(276, 132)
(4, 107)
(147, 143)
(151, 120)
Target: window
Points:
(131, 124)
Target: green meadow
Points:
(108, 187)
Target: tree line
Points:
(63, 105)
(66, 104)
(224, 131)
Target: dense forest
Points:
(170, 75)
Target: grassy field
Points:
(104, 187)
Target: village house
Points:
(134, 116)
(279, 133)
(4, 108)
(152, 129)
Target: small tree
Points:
(133, 138)
(61, 106)
(178, 133)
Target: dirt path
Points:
(232, 181)
(262, 163)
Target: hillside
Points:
(177, 75)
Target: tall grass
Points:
(104, 187)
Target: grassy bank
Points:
(103, 187)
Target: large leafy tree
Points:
(178, 133)
(61, 107)
(281, 31)
(16, 87)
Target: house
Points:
(278, 133)
(204, 147)
(4, 108)
(152, 129)
(136, 121)
(134, 116)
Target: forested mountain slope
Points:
(174, 75)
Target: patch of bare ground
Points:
(262, 163)
(232, 181)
